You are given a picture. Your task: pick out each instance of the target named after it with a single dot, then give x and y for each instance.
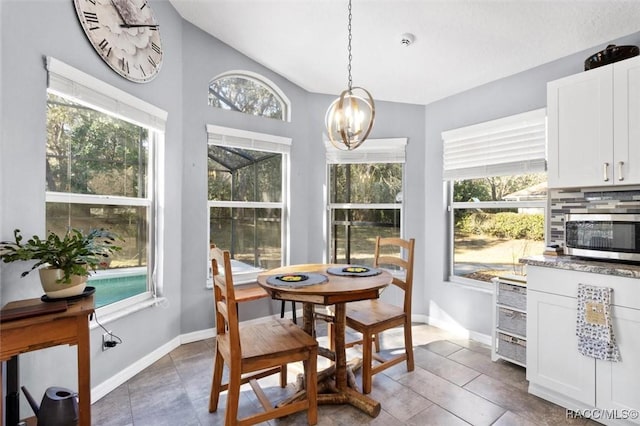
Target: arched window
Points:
(250, 93)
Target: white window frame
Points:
(391, 150)
(71, 83)
(238, 138)
(478, 151)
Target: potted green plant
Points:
(67, 261)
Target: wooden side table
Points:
(43, 330)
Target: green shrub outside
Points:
(504, 225)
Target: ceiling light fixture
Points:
(349, 119)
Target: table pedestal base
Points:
(328, 393)
(337, 384)
(352, 397)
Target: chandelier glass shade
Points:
(350, 118)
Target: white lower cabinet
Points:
(553, 360)
(619, 382)
(557, 371)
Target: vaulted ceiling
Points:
(459, 44)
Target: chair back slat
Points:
(224, 298)
(402, 248)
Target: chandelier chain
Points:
(350, 82)
(350, 118)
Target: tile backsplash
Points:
(564, 201)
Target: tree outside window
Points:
(97, 176)
(247, 94)
(365, 201)
(245, 204)
(497, 220)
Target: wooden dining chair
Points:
(246, 292)
(371, 317)
(255, 351)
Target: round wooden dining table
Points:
(337, 290)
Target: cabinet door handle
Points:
(605, 171)
(620, 175)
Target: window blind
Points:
(371, 151)
(507, 146)
(226, 136)
(87, 90)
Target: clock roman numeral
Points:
(152, 62)
(103, 44)
(156, 48)
(91, 17)
(124, 65)
(143, 5)
(142, 69)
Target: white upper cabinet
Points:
(626, 121)
(594, 127)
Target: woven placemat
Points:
(301, 279)
(354, 271)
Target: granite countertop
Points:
(629, 270)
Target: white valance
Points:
(507, 146)
(371, 151)
(237, 138)
(85, 89)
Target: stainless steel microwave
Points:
(605, 236)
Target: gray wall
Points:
(452, 303)
(192, 58)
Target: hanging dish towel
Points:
(594, 327)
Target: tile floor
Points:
(454, 383)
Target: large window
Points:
(248, 93)
(100, 173)
(493, 226)
(365, 198)
(247, 192)
(498, 195)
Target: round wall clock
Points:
(125, 34)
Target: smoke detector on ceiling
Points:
(407, 38)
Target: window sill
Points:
(122, 309)
(469, 284)
(236, 282)
(242, 274)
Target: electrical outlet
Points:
(107, 341)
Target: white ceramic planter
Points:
(55, 290)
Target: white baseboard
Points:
(479, 337)
(196, 336)
(113, 382)
(459, 330)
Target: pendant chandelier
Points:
(349, 119)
